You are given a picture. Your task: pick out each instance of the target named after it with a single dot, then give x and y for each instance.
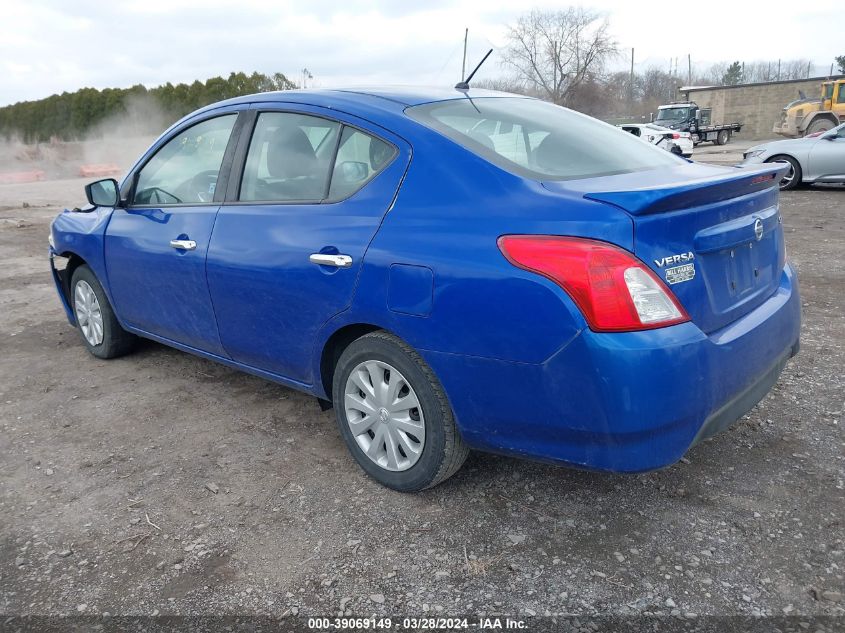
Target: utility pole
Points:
(808, 69)
(631, 82)
(464, 64)
(306, 74)
(689, 69)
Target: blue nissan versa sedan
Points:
(451, 269)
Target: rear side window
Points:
(359, 158)
(538, 140)
(289, 159)
(301, 158)
(185, 169)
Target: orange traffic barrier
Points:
(8, 177)
(99, 170)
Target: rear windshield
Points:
(539, 140)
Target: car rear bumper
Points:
(624, 402)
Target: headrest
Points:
(550, 153)
(290, 154)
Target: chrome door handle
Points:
(324, 259)
(184, 245)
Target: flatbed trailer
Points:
(718, 134)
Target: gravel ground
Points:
(161, 483)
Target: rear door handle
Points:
(183, 245)
(325, 259)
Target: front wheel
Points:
(820, 125)
(793, 177)
(394, 416)
(95, 319)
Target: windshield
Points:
(672, 114)
(539, 140)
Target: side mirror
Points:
(353, 171)
(698, 115)
(103, 193)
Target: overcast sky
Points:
(49, 46)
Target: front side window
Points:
(539, 140)
(289, 158)
(841, 97)
(185, 169)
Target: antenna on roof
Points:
(464, 84)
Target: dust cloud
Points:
(108, 149)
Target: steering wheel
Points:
(202, 186)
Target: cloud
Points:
(54, 46)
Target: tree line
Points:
(79, 114)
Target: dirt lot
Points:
(163, 483)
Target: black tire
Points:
(819, 125)
(723, 137)
(116, 341)
(443, 452)
(786, 184)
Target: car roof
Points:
(400, 96)
(383, 105)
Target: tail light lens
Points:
(676, 135)
(614, 290)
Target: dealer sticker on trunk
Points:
(680, 273)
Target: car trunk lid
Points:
(713, 234)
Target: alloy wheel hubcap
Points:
(384, 415)
(787, 179)
(88, 313)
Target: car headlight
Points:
(754, 153)
(51, 240)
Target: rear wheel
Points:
(793, 177)
(723, 137)
(95, 319)
(394, 416)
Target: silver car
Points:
(812, 159)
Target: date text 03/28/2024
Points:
(411, 623)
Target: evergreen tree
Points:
(733, 75)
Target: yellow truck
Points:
(809, 116)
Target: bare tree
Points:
(553, 52)
(777, 70)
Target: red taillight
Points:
(614, 290)
(676, 135)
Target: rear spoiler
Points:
(693, 193)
